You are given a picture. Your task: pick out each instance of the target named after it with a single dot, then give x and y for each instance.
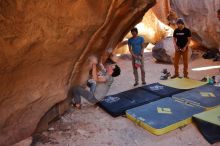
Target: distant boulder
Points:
(164, 51)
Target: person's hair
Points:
(110, 61)
(116, 71)
(180, 21)
(218, 11)
(134, 30)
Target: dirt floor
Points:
(91, 126)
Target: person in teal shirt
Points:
(136, 48)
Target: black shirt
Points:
(182, 36)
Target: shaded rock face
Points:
(44, 46)
(201, 17)
(164, 50)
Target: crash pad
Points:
(162, 116)
(117, 104)
(162, 90)
(207, 96)
(208, 124)
(183, 83)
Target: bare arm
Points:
(189, 39)
(142, 49)
(174, 42)
(101, 79)
(94, 72)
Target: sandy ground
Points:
(91, 126)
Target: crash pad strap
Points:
(183, 83)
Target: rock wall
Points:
(201, 17)
(153, 27)
(44, 46)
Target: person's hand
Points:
(184, 49)
(109, 50)
(140, 57)
(93, 60)
(135, 56)
(176, 48)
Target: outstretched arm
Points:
(174, 42)
(94, 72)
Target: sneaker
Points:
(164, 71)
(135, 84)
(175, 76)
(168, 74)
(143, 83)
(204, 79)
(163, 77)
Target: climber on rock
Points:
(182, 37)
(136, 48)
(100, 81)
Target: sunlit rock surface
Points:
(201, 17)
(153, 27)
(44, 46)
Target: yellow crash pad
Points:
(212, 116)
(183, 83)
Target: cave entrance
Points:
(154, 27)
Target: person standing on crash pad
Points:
(136, 48)
(182, 37)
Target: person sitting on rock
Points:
(182, 37)
(103, 83)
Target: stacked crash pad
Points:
(209, 124)
(117, 104)
(162, 90)
(166, 114)
(152, 107)
(163, 115)
(206, 96)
